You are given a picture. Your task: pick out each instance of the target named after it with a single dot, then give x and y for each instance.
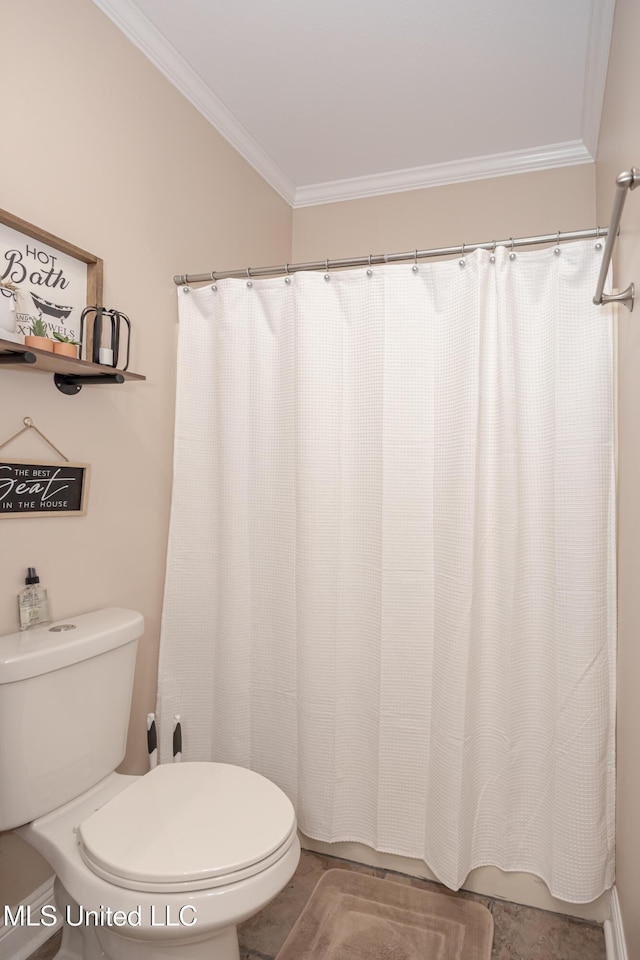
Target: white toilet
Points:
(159, 866)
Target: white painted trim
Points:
(455, 171)
(600, 31)
(159, 50)
(18, 943)
(614, 931)
(156, 48)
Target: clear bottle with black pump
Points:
(33, 602)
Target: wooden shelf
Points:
(69, 374)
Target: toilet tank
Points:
(65, 696)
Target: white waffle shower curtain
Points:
(391, 576)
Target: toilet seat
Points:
(188, 826)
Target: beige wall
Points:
(522, 205)
(98, 148)
(101, 150)
(620, 150)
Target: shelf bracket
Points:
(71, 385)
(18, 358)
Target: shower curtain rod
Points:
(625, 181)
(369, 260)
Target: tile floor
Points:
(521, 933)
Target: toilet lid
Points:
(188, 826)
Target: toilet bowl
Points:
(168, 860)
(159, 866)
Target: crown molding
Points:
(595, 79)
(439, 174)
(156, 48)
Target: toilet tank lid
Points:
(47, 648)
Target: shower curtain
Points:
(391, 568)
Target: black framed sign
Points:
(39, 488)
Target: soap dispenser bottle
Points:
(33, 602)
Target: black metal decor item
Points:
(100, 316)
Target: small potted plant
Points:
(38, 337)
(65, 345)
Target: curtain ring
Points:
(512, 255)
(492, 258)
(462, 261)
(286, 268)
(415, 262)
(213, 276)
(557, 249)
(369, 259)
(249, 272)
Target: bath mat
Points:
(351, 916)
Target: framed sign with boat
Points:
(43, 277)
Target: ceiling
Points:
(352, 98)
